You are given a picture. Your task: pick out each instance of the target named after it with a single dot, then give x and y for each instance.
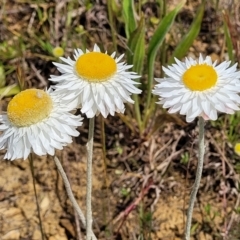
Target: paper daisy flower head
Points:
(199, 88)
(96, 82)
(36, 121)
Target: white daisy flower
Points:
(96, 82)
(36, 121)
(199, 88)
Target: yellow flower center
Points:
(29, 107)
(200, 77)
(95, 66)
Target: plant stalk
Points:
(89, 179)
(70, 193)
(196, 185)
(138, 113)
(107, 203)
(35, 193)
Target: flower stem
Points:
(35, 193)
(70, 194)
(138, 113)
(89, 178)
(69, 191)
(197, 180)
(106, 204)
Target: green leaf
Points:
(194, 228)
(155, 43)
(136, 43)
(191, 35)
(128, 15)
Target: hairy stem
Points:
(89, 178)
(70, 193)
(197, 180)
(35, 193)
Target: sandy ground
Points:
(18, 212)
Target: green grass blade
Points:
(112, 25)
(129, 18)
(228, 36)
(2, 76)
(9, 91)
(136, 56)
(191, 35)
(155, 43)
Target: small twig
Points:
(221, 153)
(197, 180)
(31, 21)
(224, 200)
(111, 23)
(38, 75)
(224, 162)
(58, 6)
(124, 214)
(165, 164)
(152, 154)
(234, 214)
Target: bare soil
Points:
(150, 201)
